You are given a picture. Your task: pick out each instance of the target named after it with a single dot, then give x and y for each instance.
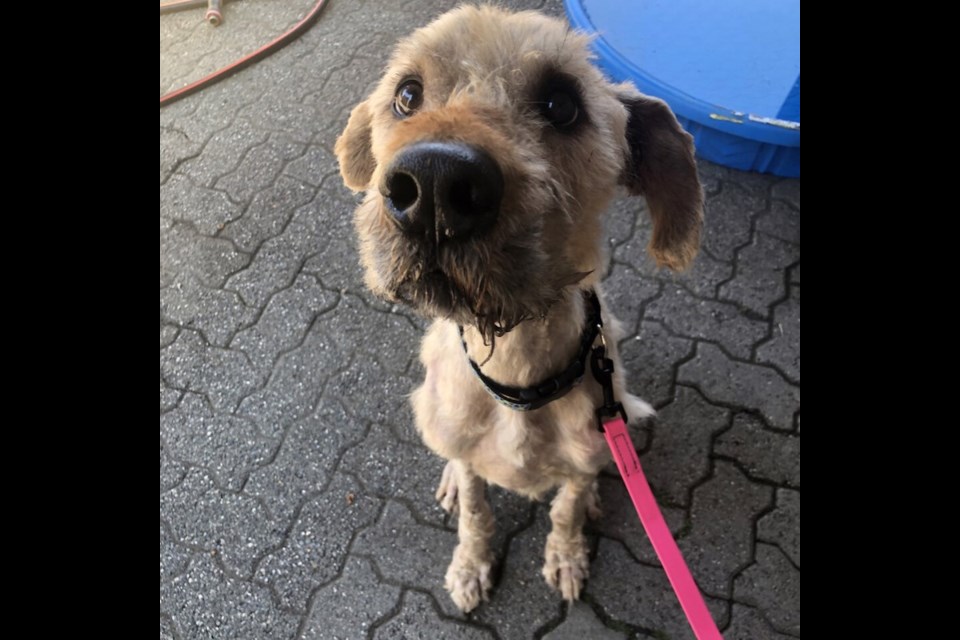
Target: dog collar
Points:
(546, 391)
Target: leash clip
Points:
(602, 368)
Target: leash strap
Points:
(625, 455)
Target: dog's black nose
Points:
(448, 188)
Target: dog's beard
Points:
(462, 287)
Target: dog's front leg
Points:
(468, 578)
(567, 564)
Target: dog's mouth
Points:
(463, 286)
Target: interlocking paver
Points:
(782, 525)
(760, 281)
(763, 453)
(418, 620)
(349, 606)
(773, 585)
(226, 446)
(205, 602)
(313, 552)
(750, 386)
(721, 523)
(707, 320)
(639, 594)
(680, 455)
(296, 496)
(650, 360)
(783, 348)
(582, 623)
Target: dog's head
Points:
(489, 151)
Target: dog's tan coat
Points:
(480, 68)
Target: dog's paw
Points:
(468, 579)
(447, 491)
(567, 565)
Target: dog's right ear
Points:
(353, 149)
(660, 166)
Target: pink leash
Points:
(678, 573)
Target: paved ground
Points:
(295, 499)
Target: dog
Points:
(488, 154)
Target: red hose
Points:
(292, 34)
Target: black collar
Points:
(546, 391)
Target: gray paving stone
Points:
(621, 218)
(268, 212)
(649, 360)
(388, 338)
(721, 519)
(625, 293)
(748, 624)
(760, 281)
(335, 264)
(750, 386)
(782, 525)
(794, 273)
(781, 221)
(313, 166)
(223, 152)
(208, 210)
(304, 462)
(582, 624)
(228, 447)
(707, 320)
(620, 521)
(168, 397)
(419, 620)
(175, 147)
(727, 218)
(315, 550)
(398, 470)
(346, 608)
(763, 453)
(168, 332)
(166, 629)
(702, 279)
(296, 383)
(772, 584)
(173, 557)
(783, 348)
(370, 392)
(233, 526)
(409, 553)
(221, 374)
(206, 603)
(679, 456)
(521, 602)
(787, 190)
(284, 322)
(171, 471)
(260, 167)
(638, 594)
(210, 260)
(215, 313)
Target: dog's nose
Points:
(448, 188)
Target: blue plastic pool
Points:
(729, 70)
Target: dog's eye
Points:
(561, 108)
(408, 99)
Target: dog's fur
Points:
(516, 289)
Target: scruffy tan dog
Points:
(488, 153)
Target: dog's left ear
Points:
(353, 149)
(660, 166)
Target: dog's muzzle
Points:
(446, 190)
